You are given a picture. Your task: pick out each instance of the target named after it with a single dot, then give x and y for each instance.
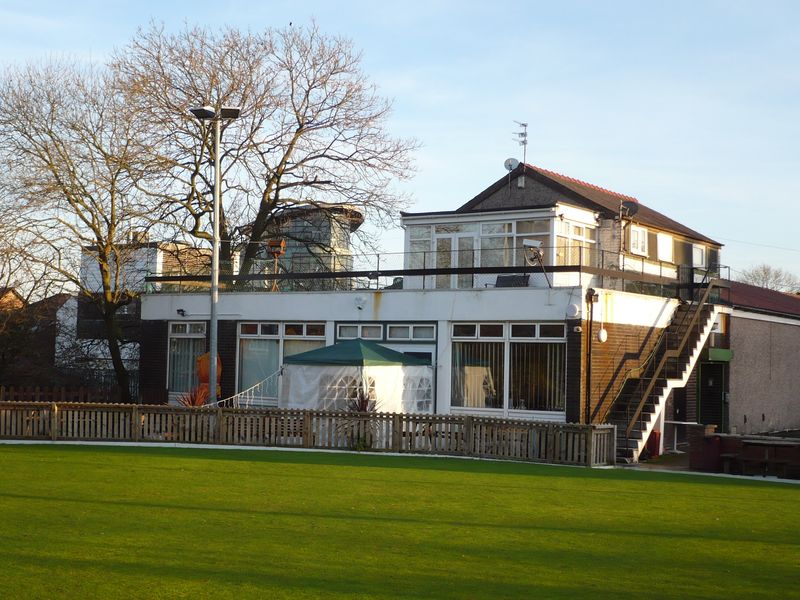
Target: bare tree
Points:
(772, 278)
(312, 130)
(71, 167)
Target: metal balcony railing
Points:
(465, 269)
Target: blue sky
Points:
(692, 107)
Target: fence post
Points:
(612, 459)
(468, 435)
(136, 423)
(220, 424)
(589, 445)
(307, 433)
(397, 432)
(54, 421)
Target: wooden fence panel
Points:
(512, 439)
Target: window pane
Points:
(178, 328)
(419, 232)
(348, 331)
(258, 360)
(464, 330)
(198, 328)
(456, 228)
(291, 347)
(477, 378)
(590, 234)
(424, 332)
(495, 228)
(541, 226)
(269, 329)
(537, 376)
(399, 332)
(496, 252)
(293, 329)
(549, 330)
(371, 332)
(183, 352)
(523, 330)
(444, 248)
(248, 328)
(491, 330)
(418, 251)
(315, 329)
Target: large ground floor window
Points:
(514, 366)
(477, 376)
(262, 346)
(537, 376)
(187, 341)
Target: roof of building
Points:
(354, 353)
(759, 299)
(585, 195)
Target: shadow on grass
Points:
(355, 517)
(425, 463)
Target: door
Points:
(455, 251)
(711, 388)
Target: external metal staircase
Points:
(644, 393)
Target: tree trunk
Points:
(112, 336)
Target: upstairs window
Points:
(698, 255)
(638, 240)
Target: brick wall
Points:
(626, 348)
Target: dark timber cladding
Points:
(153, 363)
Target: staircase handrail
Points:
(673, 353)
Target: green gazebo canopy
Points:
(354, 353)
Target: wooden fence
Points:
(589, 445)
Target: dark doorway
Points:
(712, 386)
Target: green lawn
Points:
(103, 522)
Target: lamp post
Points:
(591, 297)
(209, 113)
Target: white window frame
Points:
(704, 251)
(280, 336)
(508, 340)
(638, 246)
(184, 334)
(360, 333)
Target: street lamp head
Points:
(230, 112)
(206, 113)
(203, 112)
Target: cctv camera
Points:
(532, 244)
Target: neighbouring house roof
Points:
(354, 353)
(758, 299)
(581, 194)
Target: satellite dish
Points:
(511, 164)
(628, 208)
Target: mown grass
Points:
(112, 522)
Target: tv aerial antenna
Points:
(521, 137)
